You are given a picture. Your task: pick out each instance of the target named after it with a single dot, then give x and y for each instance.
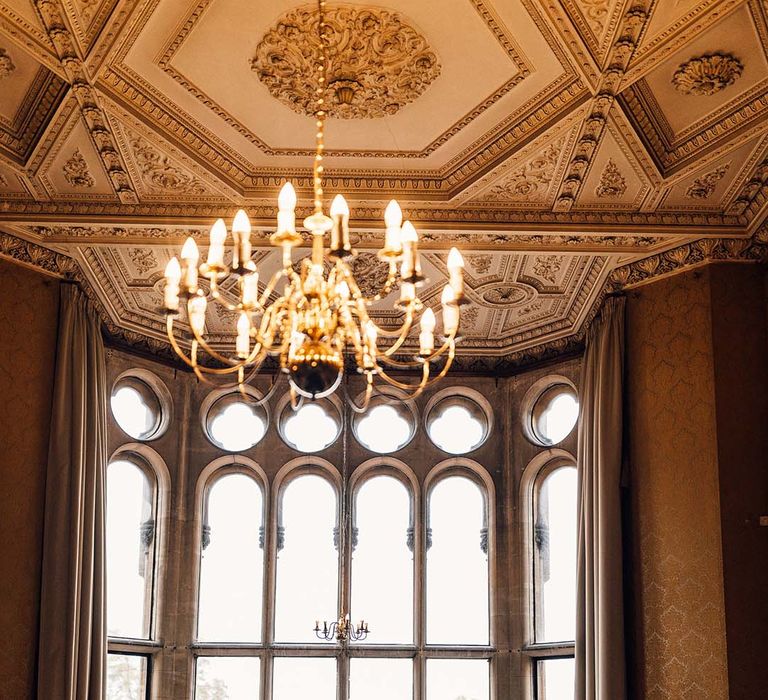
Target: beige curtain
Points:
(600, 664)
(73, 641)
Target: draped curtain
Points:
(73, 636)
(600, 661)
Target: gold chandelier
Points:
(319, 318)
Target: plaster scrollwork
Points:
(87, 9)
(708, 74)
(7, 65)
(596, 13)
(469, 317)
(531, 181)
(143, 258)
(612, 182)
(76, 171)
(480, 262)
(547, 267)
(377, 62)
(704, 187)
(370, 272)
(3, 180)
(159, 173)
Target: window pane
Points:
(232, 564)
(384, 428)
(136, 408)
(554, 414)
(457, 565)
(234, 424)
(382, 564)
(457, 425)
(310, 429)
(302, 678)
(227, 678)
(458, 679)
(307, 562)
(126, 677)
(556, 679)
(130, 550)
(555, 565)
(381, 679)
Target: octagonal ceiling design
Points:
(550, 141)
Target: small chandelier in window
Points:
(321, 317)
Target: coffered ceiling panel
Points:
(553, 142)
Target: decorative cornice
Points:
(630, 30)
(88, 99)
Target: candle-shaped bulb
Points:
(286, 200)
(428, 321)
(408, 233)
(241, 223)
(172, 279)
(393, 215)
(342, 289)
(456, 271)
(250, 289)
(450, 310)
(407, 292)
(173, 271)
(242, 344)
(427, 336)
(189, 252)
(371, 334)
(197, 306)
(216, 249)
(339, 206)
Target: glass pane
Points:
(303, 678)
(126, 677)
(310, 429)
(232, 564)
(382, 564)
(307, 562)
(556, 679)
(384, 428)
(457, 566)
(555, 566)
(130, 550)
(227, 678)
(135, 408)
(235, 425)
(458, 679)
(457, 426)
(555, 413)
(381, 679)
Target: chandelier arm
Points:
(400, 334)
(366, 399)
(426, 380)
(233, 364)
(436, 355)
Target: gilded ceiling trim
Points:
(30, 37)
(753, 194)
(631, 29)
(87, 98)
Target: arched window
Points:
(553, 514)
(232, 560)
(131, 536)
(382, 559)
(307, 558)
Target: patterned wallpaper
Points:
(679, 646)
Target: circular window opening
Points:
(235, 424)
(554, 413)
(457, 425)
(313, 427)
(136, 408)
(387, 425)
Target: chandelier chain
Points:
(320, 112)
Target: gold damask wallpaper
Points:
(677, 570)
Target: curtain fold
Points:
(600, 657)
(73, 634)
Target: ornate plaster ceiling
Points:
(556, 142)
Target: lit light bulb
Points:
(340, 229)
(450, 310)
(241, 233)
(197, 306)
(427, 335)
(172, 279)
(342, 289)
(339, 206)
(242, 344)
(408, 233)
(216, 249)
(393, 218)
(408, 238)
(190, 255)
(371, 334)
(250, 289)
(456, 271)
(393, 215)
(286, 203)
(286, 200)
(241, 223)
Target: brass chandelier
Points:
(319, 317)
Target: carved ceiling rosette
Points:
(6, 64)
(708, 74)
(377, 62)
